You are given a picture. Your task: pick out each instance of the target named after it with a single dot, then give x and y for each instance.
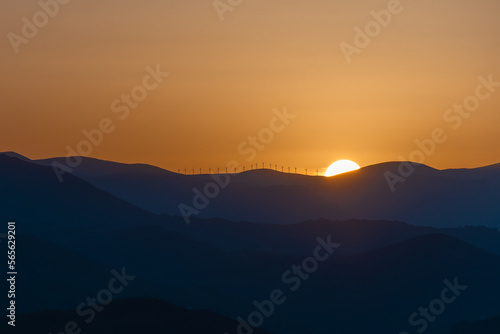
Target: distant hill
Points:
(430, 197)
(160, 191)
(32, 196)
(357, 236)
(16, 155)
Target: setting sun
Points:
(341, 166)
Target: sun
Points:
(341, 166)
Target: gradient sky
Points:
(226, 77)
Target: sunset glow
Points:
(226, 77)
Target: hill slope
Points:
(439, 198)
(131, 316)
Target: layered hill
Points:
(428, 197)
(386, 273)
(131, 316)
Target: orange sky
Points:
(226, 77)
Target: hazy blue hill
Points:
(439, 198)
(382, 287)
(117, 234)
(51, 276)
(161, 191)
(78, 216)
(297, 239)
(91, 167)
(387, 285)
(203, 275)
(32, 196)
(148, 187)
(132, 316)
(385, 273)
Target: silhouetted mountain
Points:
(383, 287)
(297, 239)
(430, 197)
(373, 286)
(130, 316)
(34, 198)
(488, 326)
(161, 191)
(377, 292)
(117, 234)
(15, 155)
(51, 276)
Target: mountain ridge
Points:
(429, 197)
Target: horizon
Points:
(192, 83)
(300, 171)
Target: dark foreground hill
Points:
(129, 316)
(376, 291)
(51, 276)
(488, 326)
(383, 288)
